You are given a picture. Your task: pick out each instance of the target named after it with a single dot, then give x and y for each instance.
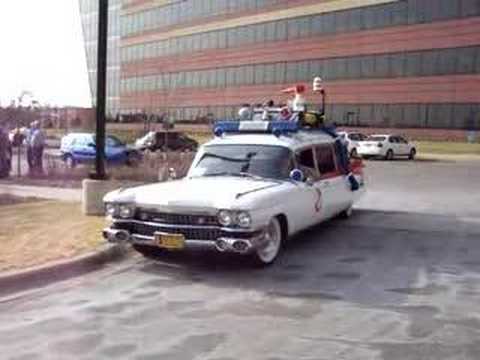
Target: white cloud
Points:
(42, 51)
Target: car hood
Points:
(195, 194)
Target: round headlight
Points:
(244, 219)
(126, 211)
(111, 209)
(225, 218)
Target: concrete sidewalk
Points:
(42, 192)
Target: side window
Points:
(325, 159)
(81, 141)
(306, 162)
(402, 140)
(392, 139)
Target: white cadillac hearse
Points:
(248, 190)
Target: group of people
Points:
(33, 138)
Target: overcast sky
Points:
(41, 50)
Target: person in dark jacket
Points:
(37, 143)
(5, 154)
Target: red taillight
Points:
(380, 145)
(357, 166)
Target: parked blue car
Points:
(80, 148)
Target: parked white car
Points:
(387, 147)
(352, 139)
(245, 193)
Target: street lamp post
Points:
(101, 91)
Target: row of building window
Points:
(459, 116)
(89, 16)
(185, 11)
(113, 81)
(372, 17)
(420, 63)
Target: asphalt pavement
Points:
(399, 280)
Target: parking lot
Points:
(399, 280)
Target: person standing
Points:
(5, 154)
(28, 134)
(37, 147)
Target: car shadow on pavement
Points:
(373, 258)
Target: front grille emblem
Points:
(143, 216)
(201, 220)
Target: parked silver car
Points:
(352, 140)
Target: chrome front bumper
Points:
(222, 244)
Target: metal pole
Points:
(101, 90)
(323, 101)
(166, 151)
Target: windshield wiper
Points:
(237, 174)
(226, 158)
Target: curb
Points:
(16, 281)
(447, 157)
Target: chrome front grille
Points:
(175, 219)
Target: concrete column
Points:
(93, 192)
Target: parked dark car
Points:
(163, 140)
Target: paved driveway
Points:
(387, 284)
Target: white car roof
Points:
(79, 135)
(292, 140)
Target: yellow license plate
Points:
(170, 241)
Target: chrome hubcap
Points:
(271, 244)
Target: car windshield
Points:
(256, 160)
(376, 138)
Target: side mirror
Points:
(297, 175)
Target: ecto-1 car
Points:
(248, 190)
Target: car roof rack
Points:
(255, 127)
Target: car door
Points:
(393, 145)
(309, 197)
(405, 147)
(83, 149)
(333, 185)
(115, 151)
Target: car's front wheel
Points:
(389, 155)
(347, 213)
(412, 154)
(270, 248)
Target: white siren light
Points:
(317, 84)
